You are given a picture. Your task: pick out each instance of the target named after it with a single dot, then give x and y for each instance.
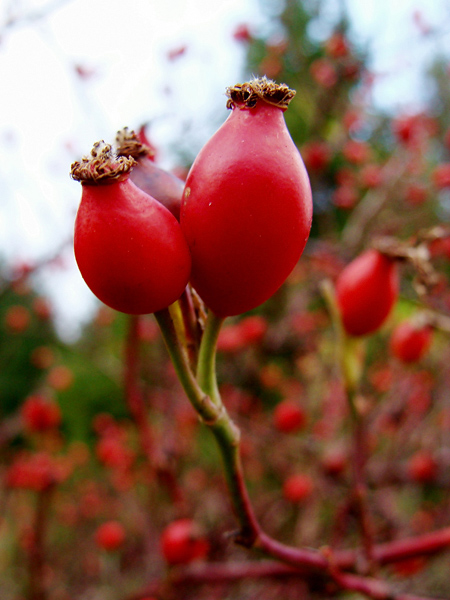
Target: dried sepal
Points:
(261, 88)
(103, 166)
(128, 144)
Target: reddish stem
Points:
(36, 557)
(136, 405)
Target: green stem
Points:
(204, 407)
(203, 392)
(206, 368)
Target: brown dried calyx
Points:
(128, 144)
(102, 166)
(248, 93)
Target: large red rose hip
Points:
(129, 248)
(366, 291)
(246, 209)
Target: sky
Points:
(90, 68)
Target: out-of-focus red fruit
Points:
(410, 342)
(289, 416)
(110, 536)
(416, 194)
(40, 413)
(17, 318)
(409, 566)
(334, 462)
(35, 472)
(366, 291)
(345, 197)
(42, 308)
(356, 152)
(441, 176)
(42, 357)
(371, 176)
(411, 130)
(181, 542)
(247, 332)
(422, 467)
(323, 72)
(242, 33)
(298, 487)
(336, 45)
(316, 155)
(60, 378)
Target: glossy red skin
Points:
(409, 343)
(130, 249)
(366, 291)
(246, 210)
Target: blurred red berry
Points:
(422, 467)
(110, 536)
(323, 72)
(371, 176)
(17, 318)
(181, 542)
(298, 487)
(416, 194)
(356, 152)
(242, 33)
(60, 378)
(316, 155)
(289, 416)
(345, 197)
(441, 176)
(40, 414)
(409, 343)
(336, 45)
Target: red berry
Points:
(409, 343)
(316, 155)
(441, 176)
(422, 467)
(289, 416)
(323, 72)
(17, 318)
(298, 487)
(181, 542)
(40, 414)
(356, 152)
(366, 291)
(336, 45)
(247, 207)
(129, 248)
(110, 536)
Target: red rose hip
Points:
(247, 207)
(366, 291)
(129, 248)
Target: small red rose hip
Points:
(181, 542)
(410, 342)
(129, 248)
(40, 414)
(366, 291)
(422, 467)
(298, 487)
(289, 416)
(110, 536)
